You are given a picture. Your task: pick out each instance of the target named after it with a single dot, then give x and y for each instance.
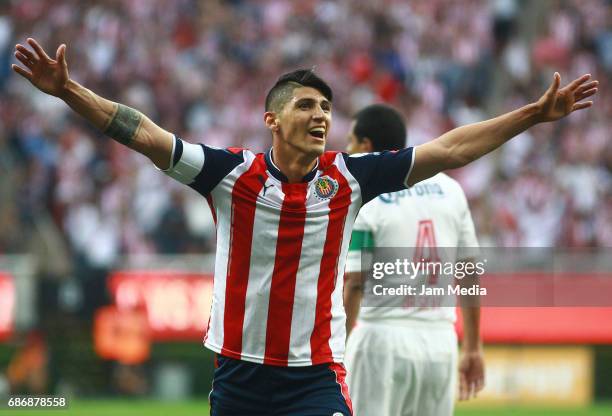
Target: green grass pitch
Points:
(200, 408)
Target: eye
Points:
(304, 106)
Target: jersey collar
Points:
(275, 171)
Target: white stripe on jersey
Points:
(189, 165)
(265, 228)
(223, 204)
(305, 302)
(338, 324)
(405, 181)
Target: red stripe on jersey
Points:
(326, 160)
(244, 198)
(211, 205)
(338, 209)
(287, 259)
(340, 373)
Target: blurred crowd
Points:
(201, 69)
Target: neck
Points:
(294, 165)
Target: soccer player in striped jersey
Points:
(401, 359)
(284, 220)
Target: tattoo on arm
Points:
(124, 124)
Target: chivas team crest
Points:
(326, 187)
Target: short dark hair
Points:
(282, 91)
(383, 125)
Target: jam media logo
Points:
(326, 187)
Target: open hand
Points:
(557, 103)
(46, 74)
(471, 374)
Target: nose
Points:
(319, 114)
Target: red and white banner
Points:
(7, 305)
(177, 304)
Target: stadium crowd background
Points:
(201, 69)
(80, 203)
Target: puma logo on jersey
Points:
(263, 183)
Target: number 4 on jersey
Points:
(426, 248)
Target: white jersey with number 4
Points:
(431, 214)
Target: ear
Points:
(366, 145)
(271, 121)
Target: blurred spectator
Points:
(27, 370)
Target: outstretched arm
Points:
(124, 124)
(465, 144)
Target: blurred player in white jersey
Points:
(402, 360)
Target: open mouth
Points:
(318, 132)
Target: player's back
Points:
(430, 220)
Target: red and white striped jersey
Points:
(281, 247)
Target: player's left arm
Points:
(465, 144)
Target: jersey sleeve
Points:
(201, 167)
(379, 173)
(467, 246)
(361, 238)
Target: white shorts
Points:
(404, 369)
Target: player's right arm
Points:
(122, 123)
(353, 293)
(471, 361)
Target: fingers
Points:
(572, 86)
(60, 51)
(38, 49)
(480, 383)
(585, 94)
(471, 389)
(463, 386)
(554, 87)
(585, 87)
(582, 106)
(471, 379)
(27, 75)
(25, 51)
(24, 60)
(60, 55)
